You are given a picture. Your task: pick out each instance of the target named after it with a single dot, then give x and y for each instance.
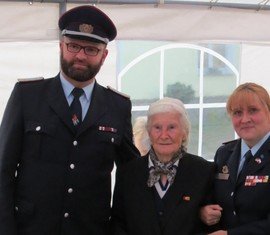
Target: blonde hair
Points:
(140, 134)
(171, 105)
(244, 93)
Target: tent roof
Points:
(244, 4)
(181, 21)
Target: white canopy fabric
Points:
(21, 24)
(190, 23)
(173, 22)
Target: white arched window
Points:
(201, 76)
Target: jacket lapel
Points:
(233, 162)
(97, 108)
(177, 191)
(258, 162)
(57, 101)
(147, 199)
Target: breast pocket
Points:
(105, 144)
(36, 135)
(24, 212)
(109, 138)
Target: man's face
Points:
(81, 64)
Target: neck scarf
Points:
(159, 168)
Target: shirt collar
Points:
(68, 87)
(255, 148)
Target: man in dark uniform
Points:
(58, 146)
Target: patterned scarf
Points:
(159, 168)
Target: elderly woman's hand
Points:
(210, 214)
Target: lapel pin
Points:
(225, 169)
(75, 120)
(258, 160)
(186, 198)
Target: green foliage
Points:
(180, 91)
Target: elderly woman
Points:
(242, 185)
(161, 193)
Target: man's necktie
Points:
(248, 155)
(75, 107)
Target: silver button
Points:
(75, 143)
(66, 215)
(16, 208)
(232, 194)
(112, 139)
(38, 128)
(234, 213)
(72, 166)
(70, 190)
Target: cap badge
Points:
(86, 28)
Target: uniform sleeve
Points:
(118, 219)
(208, 199)
(261, 227)
(11, 132)
(127, 150)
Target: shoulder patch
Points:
(228, 142)
(118, 92)
(30, 79)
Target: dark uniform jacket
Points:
(246, 200)
(134, 208)
(63, 178)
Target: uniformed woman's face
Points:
(166, 134)
(250, 118)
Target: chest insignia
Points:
(253, 180)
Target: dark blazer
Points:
(245, 202)
(134, 210)
(63, 178)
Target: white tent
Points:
(29, 34)
(195, 21)
(173, 22)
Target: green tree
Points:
(180, 91)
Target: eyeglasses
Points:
(88, 50)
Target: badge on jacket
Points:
(225, 173)
(107, 129)
(253, 180)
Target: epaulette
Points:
(118, 92)
(228, 142)
(30, 79)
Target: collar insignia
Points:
(258, 160)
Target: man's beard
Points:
(79, 75)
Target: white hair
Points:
(171, 105)
(141, 137)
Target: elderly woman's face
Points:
(251, 120)
(166, 134)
